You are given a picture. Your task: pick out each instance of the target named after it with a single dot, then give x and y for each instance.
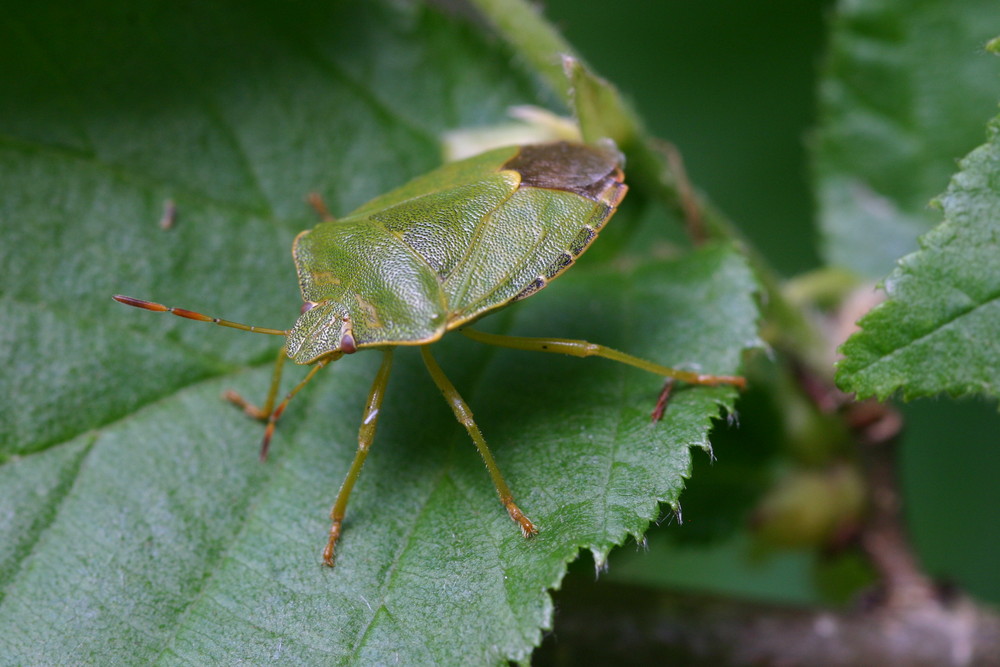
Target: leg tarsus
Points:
(366, 435)
(262, 413)
(331, 544)
(662, 399)
(275, 415)
(464, 416)
(266, 412)
(265, 443)
(527, 528)
(315, 200)
(246, 406)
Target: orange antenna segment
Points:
(191, 315)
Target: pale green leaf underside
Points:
(906, 89)
(938, 332)
(136, 524)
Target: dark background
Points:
(740, 107)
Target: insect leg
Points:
(661, 400)
(581, 348)
(272, 393)
(464, 416)
(275, 415)
(316, 201)
(366, 434)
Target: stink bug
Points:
(434, 256)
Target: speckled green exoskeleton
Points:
(434, 256)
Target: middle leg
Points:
(464, 416)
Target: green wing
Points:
(377, 276)
(441, 180)
(532, 238)
(566, 194)
(450, 246)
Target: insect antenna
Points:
(191, 315)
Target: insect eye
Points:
(307, 306)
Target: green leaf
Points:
(907, 87)
(937, 333)
(136, 524)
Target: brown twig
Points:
(606, 623)
(883, 537)
(694, 223)
(876, 428)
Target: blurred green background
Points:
(742, 120)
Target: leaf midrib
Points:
(941, 325)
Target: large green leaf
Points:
(937, 333)
(907, 87)
(136, 524)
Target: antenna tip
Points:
(139, 303)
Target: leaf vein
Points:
(940, 326)
(60, 494)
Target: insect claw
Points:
(316, 201)
(331, 544)
(714, 380)
(527, 528)
(661, 401)
(249, 408)
(265, 445)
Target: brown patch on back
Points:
(591, 172)
(571, 167)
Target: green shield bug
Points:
(434, 256)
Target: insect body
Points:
(402, 270)
(435, 255)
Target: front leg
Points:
(264, 413)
